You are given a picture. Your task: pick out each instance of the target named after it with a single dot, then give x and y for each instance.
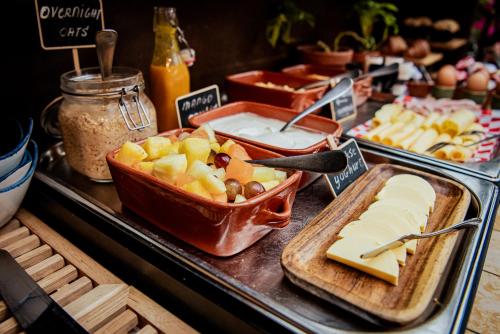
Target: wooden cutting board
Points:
(306, 265)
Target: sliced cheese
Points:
(419, 214)
(348, 251)
(406, 192)
(416, 182)
(378, 232)
(392, 219)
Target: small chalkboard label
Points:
(356, 166)
(195, 102)
(68, 24)
(343, 108)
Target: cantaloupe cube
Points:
(173, 138)
(270, 184)
(145, 167)
(238, 151)
(239, 198)
(156, 147)
(199, 133)
(225, 147)
(213, 184)
(197, 188)
(170, 167)
(183, 179)
(198, 169)
(239, 170)
(280, 175)
(220, 173)
(131, 153)
(196, 149)
(220, 197)
(263, 174)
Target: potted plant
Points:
(372, 15)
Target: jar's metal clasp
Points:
(144, 120)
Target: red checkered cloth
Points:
(488, 118)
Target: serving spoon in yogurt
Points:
(342, 87)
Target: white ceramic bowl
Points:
(15, 185)
(11, 159)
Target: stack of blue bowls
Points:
(18, 159)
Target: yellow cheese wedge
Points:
(348, 251)
(416, 182)
(419, 214)
(392, 219)
(376, 231)
(406, 192)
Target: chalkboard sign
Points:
(356, 166)
(343, 107)
(195, 102)
(68, 24)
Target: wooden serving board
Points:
(305, 263)
(93, 296)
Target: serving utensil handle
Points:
(343, 86)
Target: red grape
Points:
(253, 188)
(233, 188)
(221, 160)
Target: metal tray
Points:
(489, 170)
(254, 277)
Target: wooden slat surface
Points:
(45, 267)
(72, 291)
(34, 256)
(10, 237)
(4, 312)
(23, 245)
(58, 279)
(121, 324)
(148, 329)
(86, 265)
(9, 326)
(12, 225)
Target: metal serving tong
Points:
(355, 75)
(442, 144)
(328, 162)
(473, 222)
(343, 86)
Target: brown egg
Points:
(477, 82)
(447, 76)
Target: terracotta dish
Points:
(242, 87)
(221, 229)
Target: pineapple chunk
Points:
(239, 198)
(280, 175)
(173, 148)
(156, 147)
(210, 132)
(263, 174)
(220, 173)
(196, 149)
(130, 153)
(145, 166)
(270, 184)
(198, 169)
(170, 167)
(213, 184)
(197, 188)
(215, 147)
(225, 147)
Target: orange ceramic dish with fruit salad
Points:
(210, 224)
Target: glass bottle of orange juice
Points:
(169, 74)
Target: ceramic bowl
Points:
(221, 229)
(242, 87)
(14, 138)
(13, 187)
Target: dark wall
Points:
(228, 36)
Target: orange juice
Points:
(169, 74)
(168, 83)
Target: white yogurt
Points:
(266, 130)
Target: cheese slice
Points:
(416, 182)
(419, 214)
(390, 218)
(405, 192)
(348, 251)
(378, 232)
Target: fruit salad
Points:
(198, 163)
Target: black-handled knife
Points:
(33, 309)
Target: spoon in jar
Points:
(342, 87)
(105, 41)
(334, 161)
